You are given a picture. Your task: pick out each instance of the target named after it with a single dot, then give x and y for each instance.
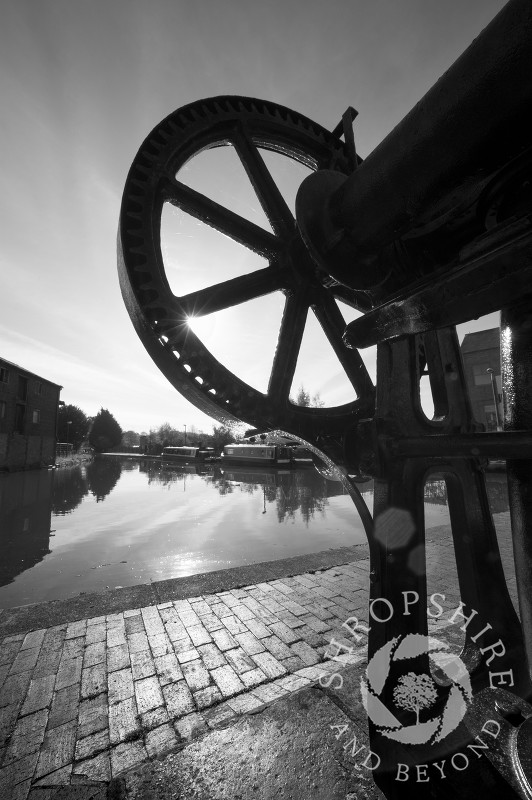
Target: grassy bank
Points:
(74, 459)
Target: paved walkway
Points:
(100, 695)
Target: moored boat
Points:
(268, 455)
(301, 457)
(188, 454)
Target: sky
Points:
(82, 83)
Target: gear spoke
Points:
(253, 129)
(288, 345)
(331, 320)
(232, 292)
(271, 199)
(227, 222)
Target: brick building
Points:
(28, 418)
(481, 352)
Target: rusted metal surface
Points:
(482, 279)
(516, 352)
(160, 317)
(410, 449)
(433, 229)
(412, 205)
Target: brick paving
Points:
(98, 696)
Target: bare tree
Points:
(415, 692)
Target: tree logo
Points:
(416, 693)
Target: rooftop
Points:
(481, 340)
(4, 361)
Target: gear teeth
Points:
(135, 221)
(152, 147)
(163, 135)
(174, 125)
(136, 189)
(149, 156)
(135, 207)
(135, 235)
(143, 169)
(159, 138)
(220, 394)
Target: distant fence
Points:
(63, 449)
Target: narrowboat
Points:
(188, 454)
(263, 455)
(301, 457)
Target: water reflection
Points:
(72, 484)
(436, 492)
(127, 521)
(166, 474)
(68, 489)
(102, 476)
(25, 516)
(303, 491)
(290, 491)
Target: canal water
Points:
(120, 522)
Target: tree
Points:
(72, 425)
(220, 437)
(105, 432)
(303, 398)
(414, 692)
(130, 439)
(167, 436)
(316, 401)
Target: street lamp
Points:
(495, 400)
(185, 434)
(69, 422)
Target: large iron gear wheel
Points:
(160, 317)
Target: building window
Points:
(36, 416)
(20, 413)
(4, 375)
(22, 392)
(38, 387)
(480, 376)
(3, 409)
